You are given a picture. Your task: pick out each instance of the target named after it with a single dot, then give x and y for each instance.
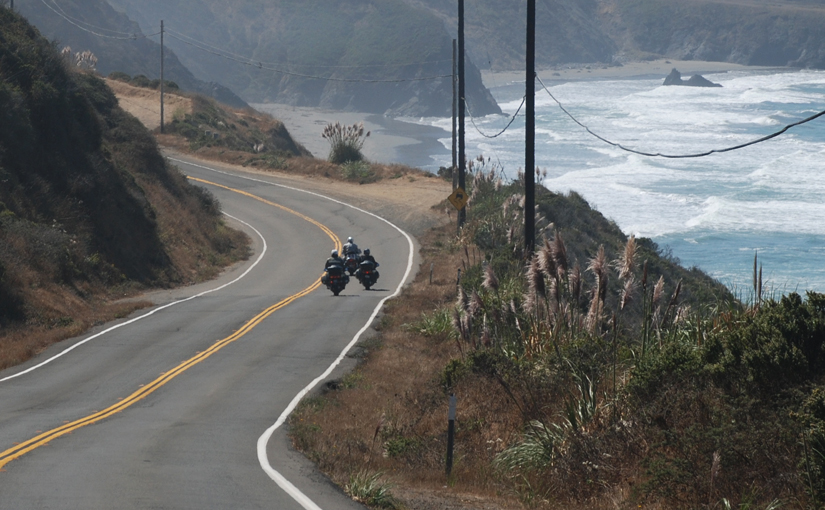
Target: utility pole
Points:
(462, 160)
(530, 134)
(161, 76)
(455, 166)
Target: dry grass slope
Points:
(96, 217)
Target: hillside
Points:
(200, 124)
(368, 56)
(594, 373)
(748, 32)
(117, 42)
(89, 209)
(566, 31)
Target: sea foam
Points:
(713, 212)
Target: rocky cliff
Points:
(367, 55)
(750, 32)
(118, 43)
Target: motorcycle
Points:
(367, 274)
(351, 263)
(336, 279)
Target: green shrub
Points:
(780, 343)
(140, 81)
(399, 446)
(359, 171)
(437, 324)
(370, 489)
(120, 76)
(812, 465)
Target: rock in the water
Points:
(675, 78)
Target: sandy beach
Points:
(631, 70)
(390, 140)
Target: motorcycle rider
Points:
(333, 260)
(351, 248)
(367, 257)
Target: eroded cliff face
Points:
(374, 56)
(122, 46)
(749, 32)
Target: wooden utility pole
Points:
(454, 168)
(161, 76)
(462, 160)
(530, 134)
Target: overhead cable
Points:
(254, 63)
(523, 99)
(224, 52)
(245, 60)
(680, 156)
(122, 35)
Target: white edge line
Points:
(263, 458)
(116, 326)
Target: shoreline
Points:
(627, 71)
(390, 141)
(398, 141)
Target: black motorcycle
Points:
(336, 279)
(351, 263)
(367, 274)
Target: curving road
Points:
(179, 406)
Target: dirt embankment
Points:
(145, 103)
(402, 194)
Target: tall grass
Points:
(567, 345)
(345, 142)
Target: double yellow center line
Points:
(25, 447)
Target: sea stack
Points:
(675, 78)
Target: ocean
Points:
(712, 212)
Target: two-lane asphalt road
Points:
(180, 409)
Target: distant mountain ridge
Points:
(118, 42)
(393, 56)
(378, 56)
(566, 31)
(748, 32)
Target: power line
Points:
(680, 156)
(254, 63)
(472, 119)
(241, 59)
(76, 23)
